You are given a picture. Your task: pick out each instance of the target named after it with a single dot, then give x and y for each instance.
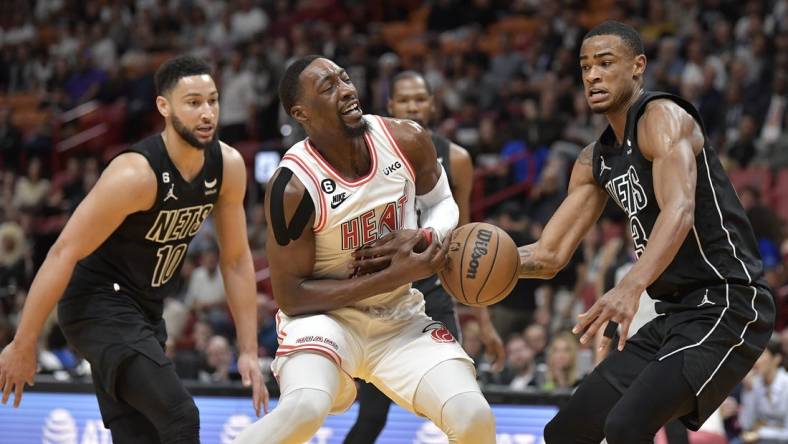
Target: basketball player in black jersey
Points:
(697, 256)
(120, 254)
(410, 98)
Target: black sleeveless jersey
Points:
(442, 148)
(720, 247)
(437, 300)
(142, 258)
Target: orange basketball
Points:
(483, 265)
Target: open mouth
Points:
(353, 110)
(205, 131)
(597, 95)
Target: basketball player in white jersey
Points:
(355, 179)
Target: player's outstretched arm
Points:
(671, 139)
(290, 248)
(235, 261)
(128, 185)
(578, 212)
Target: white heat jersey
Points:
(352, 213)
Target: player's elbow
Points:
(684, 213)
(64, 252)
(289, 304)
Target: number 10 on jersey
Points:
(169, 258)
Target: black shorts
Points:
(720, 332)
(109, 341)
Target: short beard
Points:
(355, 132)
(189, 136)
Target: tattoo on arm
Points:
(586, 156)
(284, 232)
(529, 264)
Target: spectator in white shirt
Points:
(764, 403)
(205, 294)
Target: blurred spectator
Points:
(15, 266)
(219, 360)
(247, 21)
(535, 336)
(85, 81)
(520, 370)
(764, 403)
(257, 229)
(6, 331)
(562, 363)
(205, 294)
(267, 336)
(31, 190)
(10, 139)
(237, 100)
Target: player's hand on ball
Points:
(376, 256)
(17, 367)
(249, 368)
(617, 305)
(408, 265)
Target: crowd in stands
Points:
(507, 84)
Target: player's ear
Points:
(640, 67)
(163, 105)
(299, 113)
(390, 107)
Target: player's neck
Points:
(618, 118)
(348, 155)
(187, 159)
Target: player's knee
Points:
(308, 408)
(469, 419)
(182, 425)
(620, 430)
(557, 431)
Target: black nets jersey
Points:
(720, 247)
(142, 258)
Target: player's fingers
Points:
(411, 242)
(624, 333)
(369, 263)
(265, 399)
(7, 387)
(592, 329)
(585, 318)
(374, 251)
(20, 386)
(257, 396)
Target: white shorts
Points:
(391, 354)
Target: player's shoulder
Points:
(230, 155)
(285, 184)
(405, 131)
(667, 121)
(412, 139)
(664, 110)
(458, 152)
(586, 156)
(131, 169)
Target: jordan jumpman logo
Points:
(705, 300)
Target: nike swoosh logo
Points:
(210, 184)
(339, 202)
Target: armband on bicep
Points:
(285, 232)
